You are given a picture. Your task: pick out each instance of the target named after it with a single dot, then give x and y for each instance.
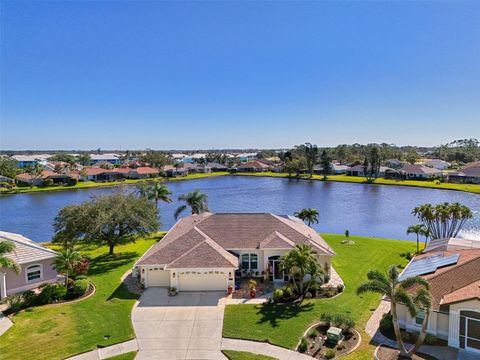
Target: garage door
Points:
(202, 281)
(158, 277)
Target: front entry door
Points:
(275, 270)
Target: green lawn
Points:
(242, 355)
(473, 188)
(56, 332)
(283, 325)
(92, 184)
(127, 356)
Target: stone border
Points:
(320, 322)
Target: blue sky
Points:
(188, 75)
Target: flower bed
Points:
(317, 346)
(243, 291)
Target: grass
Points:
(283, 325)
(127, 356)
(93, 184)
(242, 355)
(473, 188)
(60, 331)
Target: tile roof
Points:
(145, 170)
(451, 244)
(419, 169)
(207, 237)
(26, 251)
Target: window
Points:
(249, 262)
(420, 317)
(34, 273)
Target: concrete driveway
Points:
(186, 326)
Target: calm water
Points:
(370, 210)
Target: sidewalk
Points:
(108, 352)
(5, 323)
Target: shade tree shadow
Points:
(105, 263)
(272, 313)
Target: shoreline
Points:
(469, 188)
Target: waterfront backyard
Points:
(104, 319)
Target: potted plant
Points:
(172, 291)
(252, 286)
(230, 290)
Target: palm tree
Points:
(427, 233)
(300, 262)
(65, 261)
(413, 292)
(310, 215)
(416, 229)
(196, 200)
(6, 263)
(157, 192)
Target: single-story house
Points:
(246, 156)
(175, 171)
(437, 164)
(57, 178)
(36, 264)
(113, 159)
(197, 168)
(419, 172)
(468, 174)
(217, 167)
(143, 172)
(6, 179)
(358, 170)
(452, 268)
(253, 166)
(394, 163)
(31, 160)
(100, 174)
(335, 169)
(203, 252)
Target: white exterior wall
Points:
(437, 322)
(454, 319)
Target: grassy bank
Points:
(92, 184)
(242, 355)
(57, 332)
(283, 325)
(472, 188)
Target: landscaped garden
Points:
(284, 324)
(59, 331)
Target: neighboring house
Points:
(143, 172)
(451, 267)
(394, 163)
(197, 168)
(6, 179)
(99, 174)
(38, 180)
(113, 159)
(358, 170)
(31, 160)
(217, 167)
(36, 264)
(246, 156)
(468, 174)
(173, 171)
(335, 169)
(203, 252)
(253, 166)
(420, 172)
(437, 164)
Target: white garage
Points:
(202, 280)
(158, 277)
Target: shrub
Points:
(278, 295)
(308, 295)
(29, 298)
(386, 324)
(329, 354)
(47, 183)
(314, 289)
(72, 181)
(342, 321)
(14, 302)
(312, 333)
(81, 268)
(81, 277)
(340, 288)
(51, 293)
(80, 286)
(303, 346)
(287, 291)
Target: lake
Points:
(369, 210)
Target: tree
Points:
(412, 157)
(326, 163)
(156, 192)
(417, 230)
(155, 158)
(296, 166)
(413, 292)
(302, 266)
(8, 167)
(84, 159)
(371, 164)
(309, 215)
(108, 219)
(196, 200)
(443, 220)
(65, 262)
(6, 263)
(427, 233)
(311, 156)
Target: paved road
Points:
(186, 326)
